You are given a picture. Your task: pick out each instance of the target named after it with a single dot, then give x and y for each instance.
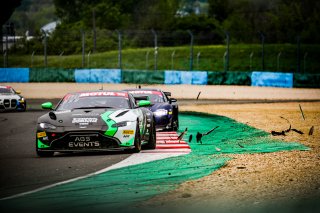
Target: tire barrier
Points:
(229, 78)
(185, 77)
(51, 75)
(256, 78)
(142, 77)
(97, 76)
(302, 80)
(20, 75)
(272, 79)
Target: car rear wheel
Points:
(45, 153)
(152, 138)
(137, 140)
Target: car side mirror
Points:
(18, 92)
(144, 103)
(47, 105)
(172, 100)
(167, 93)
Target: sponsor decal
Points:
(118, 94)
(84, 120)
(61, 112)
(84, 144)
(128, 132)
(146, 92)
(126, 136)
(41, 134)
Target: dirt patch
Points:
(258, 180)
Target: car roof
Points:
(101, 93)
(7, 87)
(146, 89)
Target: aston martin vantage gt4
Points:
(95, 121)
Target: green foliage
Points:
(211, 58)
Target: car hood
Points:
(11, 96)
(157, 106)
(83, 117)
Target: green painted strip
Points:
(118, 189)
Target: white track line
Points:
(138, 158)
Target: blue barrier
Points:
(20, 75)
(272, 79)
(185, 77)
(200, 78)
(98, 76)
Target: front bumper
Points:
(77, 141)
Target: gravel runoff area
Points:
(281, 181)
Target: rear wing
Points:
(167, 93)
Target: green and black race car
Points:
(95, 121)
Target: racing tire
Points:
(137, 140)
(175, 124)
(44, 154)
(152, 138)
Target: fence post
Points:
(5, 59)
(32, 55)
(172, 56)
(191, 50)
(251, 55)
(94, 30)
(262, 37)
(198, 57)
(89, 59)
(278, 61)
(45, 48)
(155, 49)
(83, 46)
(147, 60)
(226, 68)
(60, 58)
(119, 49)
(304, 61)
(298, 54)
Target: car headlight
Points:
(21, 100)
(47, 126)
(122, 124)
(160, 112)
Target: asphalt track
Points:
(21, 170)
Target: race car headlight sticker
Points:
(122, 124)
(47, 126)
(21, 100)
(160, 112)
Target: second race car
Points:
(95, 121)
(165, 109)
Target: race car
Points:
(10, 100)
(95, 121)
(165, 109)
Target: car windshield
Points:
(6, 90)
(78, 102)
(154, 96)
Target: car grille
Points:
(85, 141)
(9, 104)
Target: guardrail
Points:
(255, 78)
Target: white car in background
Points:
(11, 100)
